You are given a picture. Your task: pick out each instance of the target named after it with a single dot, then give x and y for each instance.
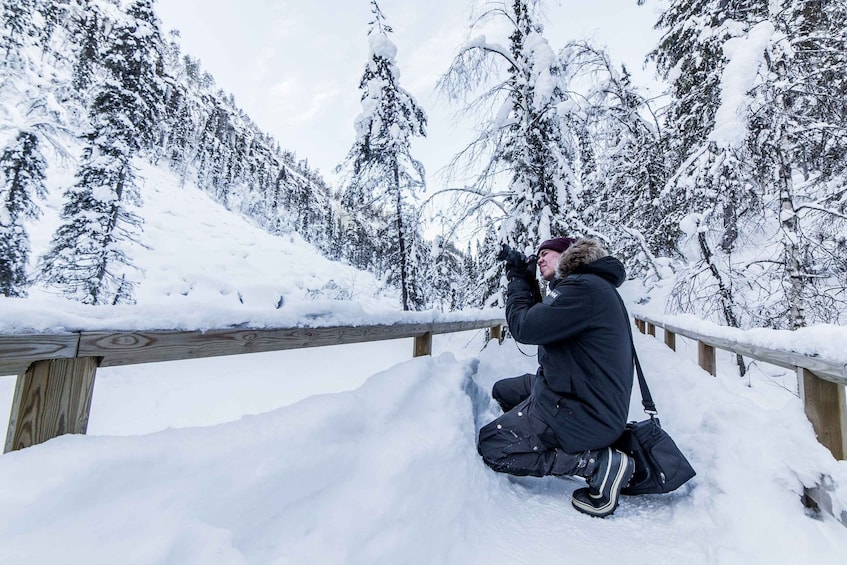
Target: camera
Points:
(513, 257)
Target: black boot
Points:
(613, 471)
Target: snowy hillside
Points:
(199, 263)
(388, 473)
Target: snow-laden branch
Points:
(820, 208)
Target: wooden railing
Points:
(821, 386)
(56, 372)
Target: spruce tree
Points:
(710, 191)
(88, 259)
(17, 24)
(89, 28)
(23, 168)
(382, 172)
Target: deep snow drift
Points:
(388, 473)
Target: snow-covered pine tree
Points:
(23, 168)
(17, 24)
(527, 149)
(486, 284)
(628, 168)
(419, 264)
(87, 259)
(798, 139)
(382, 174)
(89, 25)
(711, 190)
(449, 276)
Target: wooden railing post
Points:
(640, 325)
(706, 358)
(423, 345)
(651, 329)
(52, 398)
(824, 403)
(496, 332)
(670, 339)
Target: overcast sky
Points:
(294, 65)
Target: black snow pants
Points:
(520, 442)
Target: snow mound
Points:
(388, 473)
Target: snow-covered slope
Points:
(388, 473)
(200, 265)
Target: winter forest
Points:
(731, 188)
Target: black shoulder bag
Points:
(659, 464)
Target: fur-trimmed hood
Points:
(587, 255)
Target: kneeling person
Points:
(562, 419)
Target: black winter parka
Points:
(585, 377)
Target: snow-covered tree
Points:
(450, 276)
(23, 168)
(628, 168)
(88, 258)
(17, 23)
(529, 153)
(758, 137)
(798, 138)
(89, 25)
(382, 172)
(710, 192)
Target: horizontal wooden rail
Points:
(56, 372)
(823, 368)
(821, 386)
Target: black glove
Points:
(517, 264)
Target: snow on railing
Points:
(816, 354)
(56, 371)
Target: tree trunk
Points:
(401, 239)
(791, 245)
(724, 293)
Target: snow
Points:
(388, 473)
(205, 268)
(745, 57)
(360, 454)
(382, 46)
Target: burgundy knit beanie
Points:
(557, 244)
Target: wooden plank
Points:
(824, 403)
(452, 327)
(823, 368)
(640, 325)
(670, 339)
(651, 329)
(706, 357)
(51, 399)
(423, 345)
(17, 352)
(14, 413)
(126, 348)
(12, 368)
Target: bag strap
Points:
(646, 397)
